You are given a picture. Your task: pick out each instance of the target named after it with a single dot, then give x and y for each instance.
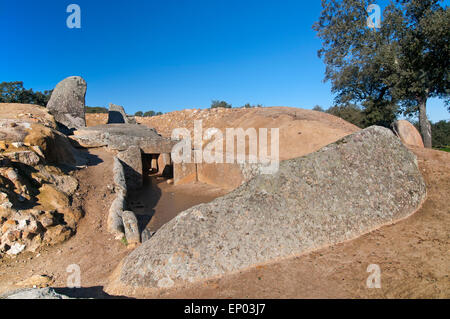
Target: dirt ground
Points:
(412, 254)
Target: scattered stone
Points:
(15, 249)
(25, 157)
(67, 103)
(57, 234)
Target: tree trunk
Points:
(425, 126)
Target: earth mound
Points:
(301, 131)
(348, 188)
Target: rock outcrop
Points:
(67, 103)
(408, 133)
(35, 192)
(348, 188)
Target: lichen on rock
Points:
(348, 188)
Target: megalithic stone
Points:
(67, 103)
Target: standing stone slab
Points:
(130, 224)
(132, 163)
(117, 115)
(346, 189)
(408, 133)
(67, 103)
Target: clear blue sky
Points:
(169, 55)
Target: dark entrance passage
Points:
(158, 165)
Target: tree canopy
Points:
(14, 92)
(216, 104)
(389, 70)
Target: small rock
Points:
(15, 249)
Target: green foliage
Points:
(139, 113)
(397, 67)
(14, 92)
(216, 104)
(249, 106)
(441, 134)
(351, 113)
(96, 109)
(149, 114)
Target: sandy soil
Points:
(412, 254)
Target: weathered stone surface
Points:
(25, 157)
(115, 223)
(408, 133)
(67, 103)
(358, 184)
(132, 164)
(33, 293)
(130, 224)
(54, 145)
(121, 136)
(117, 115)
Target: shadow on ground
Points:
(96, 292)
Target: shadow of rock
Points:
(96, 292)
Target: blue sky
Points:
(169, 55)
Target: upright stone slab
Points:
(117, 115)
(346, 189)
(132, 163)
(67, 103)
(408, 133)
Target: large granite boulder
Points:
(408, 133)
(67, 103)
(346, 189)
(117, 115)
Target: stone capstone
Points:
(132, 163)
(121, 136)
